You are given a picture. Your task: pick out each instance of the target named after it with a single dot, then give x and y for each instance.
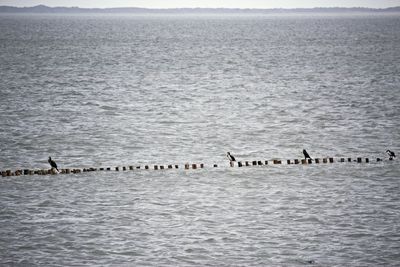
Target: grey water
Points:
(118, 90)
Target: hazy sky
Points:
(206, 3)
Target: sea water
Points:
(119, 90)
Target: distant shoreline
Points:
(137, 10)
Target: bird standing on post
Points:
(391, 154)
(53, 164)
(230, 157)
(306, 156)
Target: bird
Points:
(230, 157)
(53, 164)
(306, 156)
(391, 154)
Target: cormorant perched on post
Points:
(391, 154)
(306, 156)
(230, 157)
(53, 164)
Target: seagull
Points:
(53, 164)
(391, 154)
(230, 157)
(306, 156)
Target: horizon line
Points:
(228, 8)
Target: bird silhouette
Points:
(391, 154)
(53, 164)
(230, 157)
(306, 156)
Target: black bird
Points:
(230, 157)
(391, 154)
(53, 164)
(306, 156)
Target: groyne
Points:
(191, 166)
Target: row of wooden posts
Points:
(186, 166)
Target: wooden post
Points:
(317, 161)
(359, 160)
(309, 161)
(296, 161)
(259, 162)
(288, 162)
(330, 160)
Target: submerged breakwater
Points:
(187, 166)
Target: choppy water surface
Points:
(97, 91)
